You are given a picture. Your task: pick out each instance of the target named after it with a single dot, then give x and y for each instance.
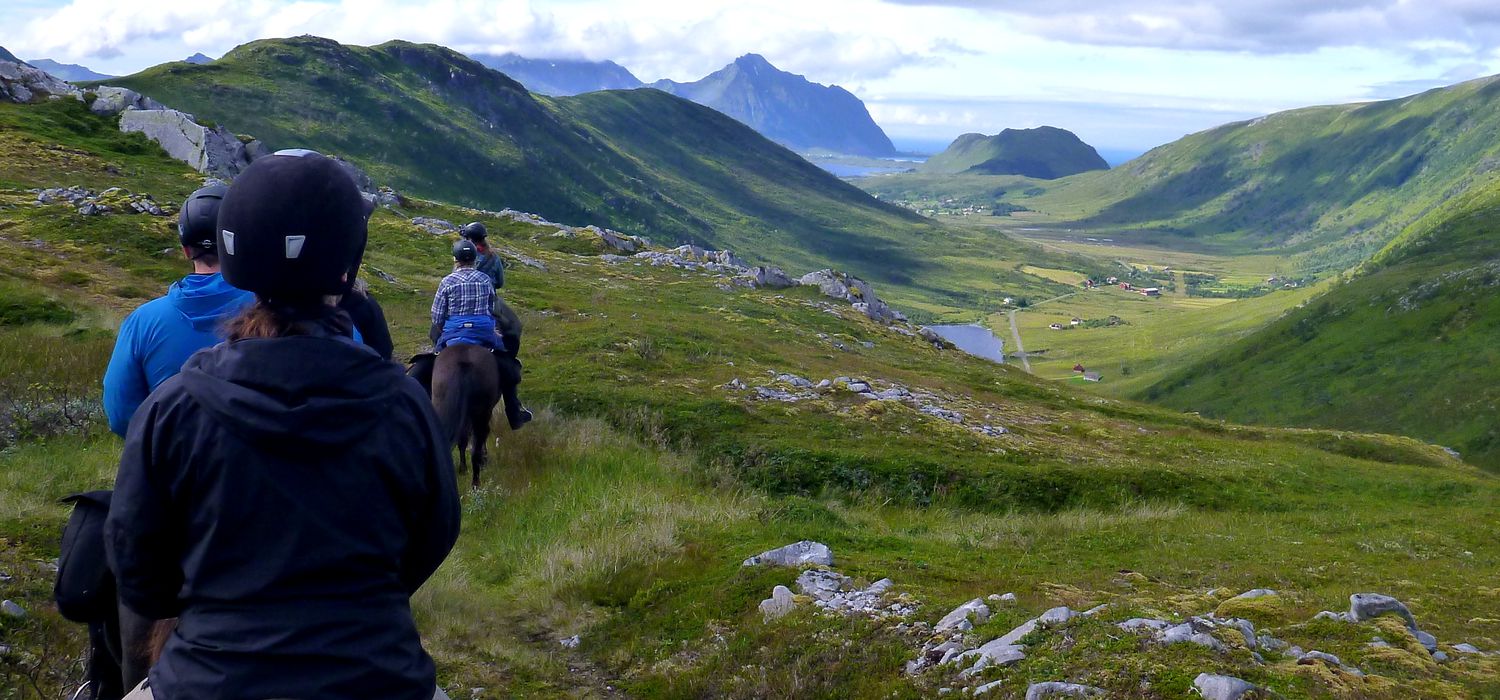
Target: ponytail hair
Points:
(277, 319)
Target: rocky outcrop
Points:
(767, 277)
(109, 101)
(1216, 687)
(436, 227)
(213, 151)
(111, 201)
(854, 290)
(23, 83)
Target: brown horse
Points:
(465, 389)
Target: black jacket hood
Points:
(310, 390)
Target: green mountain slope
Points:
(432, 122)
(1411, 345)
(623, 513)
(1045, 152)
(1336, 183)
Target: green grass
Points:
(1407, 347)
(623, 513)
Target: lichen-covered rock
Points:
(436, 227)
(1261, 605)
(857, 292)
(796, 554)
(766, 277)
(212, 151)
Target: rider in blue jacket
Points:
(163, 333)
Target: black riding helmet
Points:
(197, 223)
(474, 231)
(292, 226)
(464, 252)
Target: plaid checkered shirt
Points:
(464, 292)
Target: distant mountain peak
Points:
(1045, 152)
(561, 76)
(198, 58)
(70, 72)
(787, 108)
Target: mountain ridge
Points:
(561, 77)
(70, 72)
(787, 108)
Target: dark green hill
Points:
(787, 108)
(433, 122)
(1336, 183)
(1411, 346)
(1045, 152)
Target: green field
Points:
(622, 514)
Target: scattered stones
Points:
(999, 598)
(570, 642)
(794, 380)
(12, 609)
(1316, 656)
(1057, 689)
(1137, 624)
(779, 604)
(111, 201)
(436, 227)
(795, 554)
(974, 612)
(1216, 687)
(214, 151)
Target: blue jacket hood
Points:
(205, 300)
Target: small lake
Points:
(975, 340)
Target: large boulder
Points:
(1368, 606)
(109, 101)
(795, 554)
(215, 151)
(767, 277)
(1216, 687)
(854, 290)
(24, 83)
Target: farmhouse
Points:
(1056, 326)
(1092, 377)
(1151, 292)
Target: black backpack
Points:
(85, 588)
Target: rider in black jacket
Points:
(287, 493)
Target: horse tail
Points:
(453, 402)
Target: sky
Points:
(1125, 75)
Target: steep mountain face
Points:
(1334, 183)
(561, 78)
(1045, 152)
(787, 108)
(433, 122)
(70, 72)
(1411, 346)
(198, 59)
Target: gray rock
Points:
(1466, 648)
(109, 101)
(213, 151)
(993, 654)
(1215, 687)
(1056, 616)
(1253, 594)
(857, 292)
(1428, 641)
(570, 642)
(1440, 656)
(975, 609)
(361, 180)
(21, 82)
(794, 380)
(880, 587)
(1136, 624)
(1270, 643)
(795, 554)
(1331, 615)
(1177, 634)
(436, 227)
(778, 605)
(1014, 636)
(1368, 606)
(768, 278)
(1058, 689)
(1315, 656)
(893, 394)
(1001, 598)
(1096, 610)
(859, 387)
(822, 584)
(12, 609)
(987, 687)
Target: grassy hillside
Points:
(1409, 346)
(431, 122)
(1333, 183)
(1045, 152)
(622, 514)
